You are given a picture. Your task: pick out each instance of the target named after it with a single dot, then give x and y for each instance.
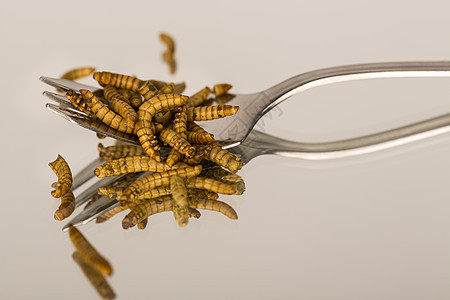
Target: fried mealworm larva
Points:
(219, 173)
(167, 89)
(153, 180)
(78, 73)
(177, 142)
(118, 80)
(199, 97)
(179, 87)
(205, 113)
(179, 126)
(224, 99)
(180, 200)
(216, 205)
(126, 94)
(130, 164)
(147, 195)
(146, 209)
(67, 206)
(168, 40)
(199, 137)
(135, 99)
(221, 88)
(170, 60)
(62, 171)
(112, 191)
(223, 158)
(193, 213)
(95, 277)
(88, 252)
(119, 104)
(100, 136)
(148, 90)
(78, 101)
(106, 115)
(210, 185)
(147, 110)
(163, 116)
(110, 213)
(202, 194)
(119, 151)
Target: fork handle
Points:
(294, 85)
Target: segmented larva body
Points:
(148, 90)
(221, 88)
(179, 126)
(146, 209)
(62, 171)
(106, 115)
(210, 185)
(100, 136)
(88, 252)
(199, 137)
(78, 73)
(119, 151)
(179, 87)
(112, 191)
(120, 105)
(130, 164)
(223, 175)
(167, 89)
(147, 110)
(177, 142)
(216, 205)
(97, 280)
(224, 99)
(126, 94)
(163, 116)
(180, 200)
(78, 101)
(110, 213)
(199, 97)
(158, 83)
(161, 179)
(205, 113)
(193, 213)
(170, 60)
(67, 206)
(202, 194)
(223, 158)
(118, 80)
(150, 194)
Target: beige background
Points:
(371, 227)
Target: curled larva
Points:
(66, 207)
(120, 105)
(88, 252)
(62, 170)
(118, 80)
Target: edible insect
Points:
(62, 170)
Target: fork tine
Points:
(58, 98)
(92, 190)
(102, 205)
(86, 173)
(66, 85)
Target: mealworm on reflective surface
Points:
(130, 164)
(205, 113)
(119, 151)
(62, 171)
(118, 80)
(210, 185)
(221, 88)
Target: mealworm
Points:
(193, 213)
(225, 98)
(223, 175)
(202, 194)
(179, 126)
(106, 115)
(205, 113)
(221, 88)
(112, 191)
(136, 100)
(199, 137)
(88, 252)
(163, 116)
(223, 158)
(161, 179)
(78, 101)
(199, 97)
(100, 136)
(119, 151)
(170, 60)
(148, 90)
(179, 87)
(66, 207)
(210, 185)
(216, 205)
(119, 104)
(62, 171)
(95, 277)
(142, 224)
(126, 94)
(130, 164)
(180, 200)
(150, 194)
(167, 89)
(110, 213)
(146, 209)
(168, 40)
(118, 80)
(177, 142)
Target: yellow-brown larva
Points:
(223, 158)
(100, 136)
(180, 200)
(147, 195)
(118, 80)
(148, 90)
(167, 89)
(144, 128)
(221, 88)
(110, 213)
(106, 115)
(223, 175)
(119, 151)
(210, 185)
(126, 94)
(97, 280)
(62, 171)
(224, 99)
(146, 209)
(177, 142)
(130, 164)
(142, 224)
(78, 101)
(199, 137)
(88, 252)
(170, 60)
(119, 104)
(153, 180)
(136, 99)
(168, 40)
(112, 191)
(193, 213)
(66, 207)
(202, 194)
(179, 126)
(205, 113)
(216, 205)
(199, 97)
(179, 87)
(78, 73)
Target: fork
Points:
(236, 132)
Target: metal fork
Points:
(237, 134)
